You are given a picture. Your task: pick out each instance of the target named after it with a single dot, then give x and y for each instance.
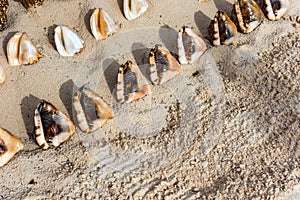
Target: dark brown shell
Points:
(3, 18)
(247, 15)
(273, 9)
(221, 30)
(32, 3)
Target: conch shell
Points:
(51, 125)
(67, 42)
(102, 25)
(2, 75)
(21, 50)
(222, 30)
(3, 18)
(91, 110)
(134, 8)
(190, 46)
(32, 3)
(247, 15)
(132, 84)
(9, 146)
(163, 66)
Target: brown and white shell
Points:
(247, 15)
(9, 146)
(102, 25)
(134, 8)
(2, 75)
(67, 42)
(91, 110)
(3, 17)
(32, 3)
(189, 45)
(273, 9)
(132, 84)
(51, 125)
(21, 50)
(163, 66)
(222, 30)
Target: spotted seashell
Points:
(21, 50)
(134, 8)
(2, 75)
(9, 146)
(32, 3)
(102, 25)
(91, 110)
(163, 66)
(273, 9)
(3, 18)
(67, 42)
(51, 125)
(247, 15)
(132, 84)
(222, 30)
(190, 46)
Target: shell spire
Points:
(9, 146)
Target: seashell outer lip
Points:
(67, 42)
(102, 25)
(9, 146)
(21, 50)
(134, 8)
(91, 110)
(222, 30)
(163, 66)
(131, 84)
(51, 125)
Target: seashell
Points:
(51, 125)
(32, 3)
(21, 50)
(163, 66)
(247, 15)
(2, 75)
(67, 42)
(222, 30)
(91, 110)
(3, 18)
(102, 25)
(131, 85)
(9, 146)
(190, 46)
(134, 8)
(273, 9)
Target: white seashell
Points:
(190, 46)
(67, 42)
(134, 8)
(102, 25)
(9, 146)
(51, 125)
(2, 75)
(21, 50)
(132, 84)
(91, 110)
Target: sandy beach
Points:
(228, 127)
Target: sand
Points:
(227, 128)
